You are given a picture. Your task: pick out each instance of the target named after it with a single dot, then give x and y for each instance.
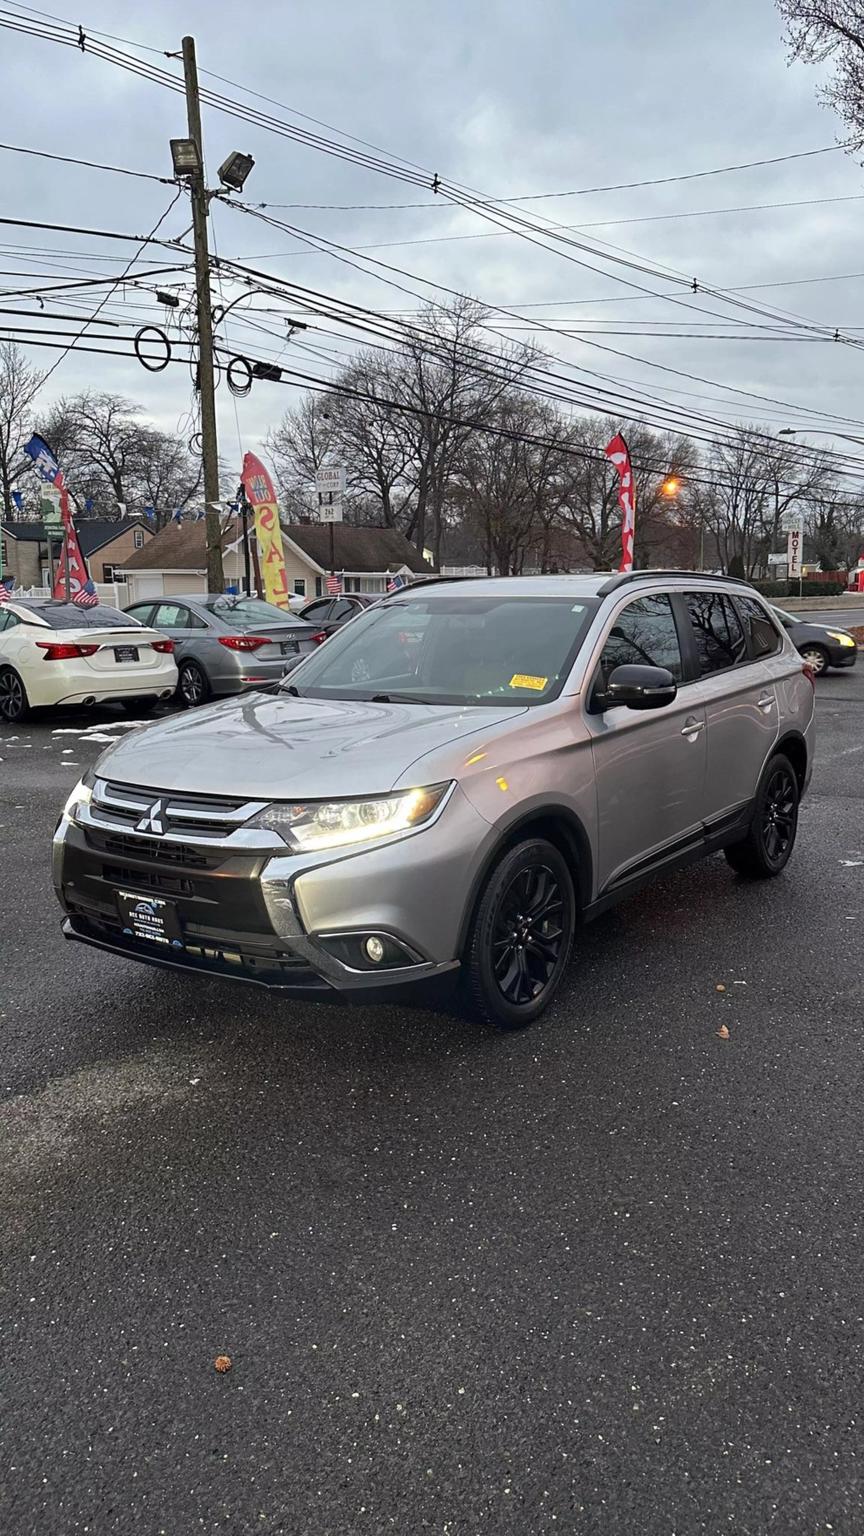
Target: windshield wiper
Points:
(399, 698)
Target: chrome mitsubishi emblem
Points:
(153, 822)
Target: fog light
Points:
(374, 950)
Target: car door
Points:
(737, 692)
(649, 766)
(180, 624)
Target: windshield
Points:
(451, 649)
(68, 616)
(250, 612)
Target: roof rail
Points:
(623, 578)
(430, 581)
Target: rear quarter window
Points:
(763, 635)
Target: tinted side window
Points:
(643, 633)
(319, 611)
(344, 610)
(142, 612)
(717, 632)
(762, 632)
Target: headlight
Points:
(837, 634)
(339, 823)
(82, 794)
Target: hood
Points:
(276, 747)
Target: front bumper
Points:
(286, 921)
(843, 656)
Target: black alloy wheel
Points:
(779, 814)
(767, 848)
(14, 704)
(522, 935)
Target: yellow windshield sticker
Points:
(522, 680)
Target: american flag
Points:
(5, 591)
(396, 583)
(334, 584)
(88, 597)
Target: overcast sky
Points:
(508, 99)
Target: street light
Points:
(234, 171)
(819, 432)
(671, 487)
(185, 157)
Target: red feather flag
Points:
(618, 454)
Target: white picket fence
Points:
(114, 593)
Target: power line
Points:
(146, 241)
(93, 165)
(534, 197)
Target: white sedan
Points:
(57, 653)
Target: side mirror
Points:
(638, 687)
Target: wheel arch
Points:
(794, 746)
(561, 827)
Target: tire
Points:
(193, 685)
(14, 703)
(816, 657)
(767, 848)
(512, 969)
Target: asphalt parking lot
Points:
(604, 1276)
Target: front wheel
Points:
(767, 848)
(816, 657)
(521, 936)
(14, 704)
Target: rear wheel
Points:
(521, 937)
(816, 657)
(767, 848)
(14, 704)
(193, 685)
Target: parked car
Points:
(330, 613)
(225, 644)
(547, 746)
(56, 653)
(821, 645)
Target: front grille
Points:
(150, 848)
(123, 808)
(149, 879)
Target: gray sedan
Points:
(224, 644)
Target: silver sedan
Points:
(224, 644)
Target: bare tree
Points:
(19, 386)
(821, 30)
(754, 483)
(113, 459)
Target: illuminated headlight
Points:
(838, 635)
(82, 794)
(339, 823)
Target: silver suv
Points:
(453, 782)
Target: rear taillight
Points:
(320, 637)
(810, 675)
(243, 642)
(165, 646)
(59, 651)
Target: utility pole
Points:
(206, 382)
